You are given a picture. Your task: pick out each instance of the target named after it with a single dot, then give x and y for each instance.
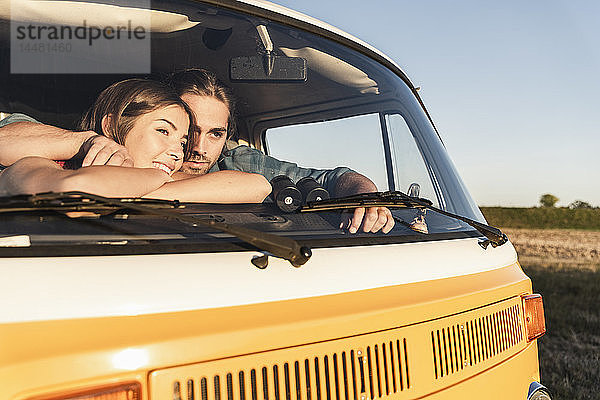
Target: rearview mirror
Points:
(267, 68)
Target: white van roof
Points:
(257, 7)
(313, 25)
(306, 19)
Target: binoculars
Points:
(289, 197)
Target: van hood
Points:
(44, 288)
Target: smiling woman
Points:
(153, 124)
(146, 117)
(159, 138)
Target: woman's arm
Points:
(36, 175)
(32, 175)
(216, 187)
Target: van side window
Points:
(353, 142)
(356, 142)
(408, 164)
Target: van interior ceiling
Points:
(196, 35)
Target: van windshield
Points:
(299, 103)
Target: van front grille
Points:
(473, 341)
(393, 364)
(378, 370)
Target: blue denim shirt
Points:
(247, 159)
(16, 117)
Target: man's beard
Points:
(193, 169)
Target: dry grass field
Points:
(562, 246)
(564, 266)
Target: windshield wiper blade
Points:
(278, 246)
(370, 199)
(398, 199)
(75, 201)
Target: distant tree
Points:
(580, 204)
(548, 200)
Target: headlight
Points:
(128, 391)
(538, 391)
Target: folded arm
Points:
(32, 175)
(340, 181)
(247, 159)
(216, 187)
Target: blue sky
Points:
(512, 86)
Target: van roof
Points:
(306, 22)
(299, 20)
(272, 11)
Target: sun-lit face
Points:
(212, 118)
(157, 139)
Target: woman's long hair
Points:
(125, 101)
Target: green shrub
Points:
(548, 200)
(543, 217)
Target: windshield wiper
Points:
(278, 246)
(398, 199)
(76, 201)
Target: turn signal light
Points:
(128, 391)
(533, 309)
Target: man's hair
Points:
(202, 82)
(127, 100)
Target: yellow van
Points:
(106, 298)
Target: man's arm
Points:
(22, 136)
(247, 159)
(339, 182)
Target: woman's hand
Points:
(100, 150)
